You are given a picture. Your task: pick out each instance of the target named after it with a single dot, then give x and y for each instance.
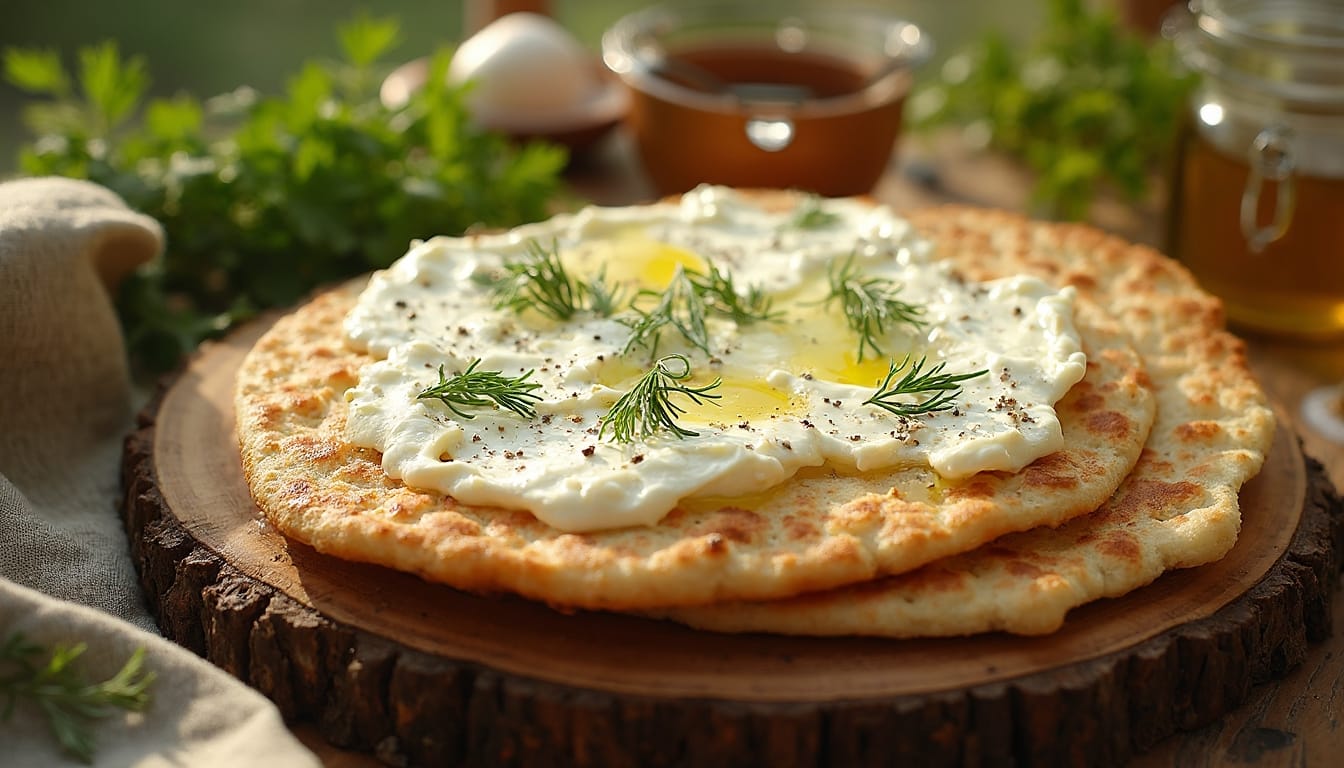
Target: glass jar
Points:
(1258, 198)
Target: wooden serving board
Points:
(422, 674)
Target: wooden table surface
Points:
(1295, 721)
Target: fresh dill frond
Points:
(943, 388)
(720, 295)
(870, 304)
(473, 388)
(810, 215)
(648, 409)
(680, 306)
(68, 701)
(539, 281)
(600, 298)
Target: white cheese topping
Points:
(792, 391)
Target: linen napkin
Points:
(65, 568)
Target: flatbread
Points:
(1177, 509)
(819, 531)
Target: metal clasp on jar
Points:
(1271, 160)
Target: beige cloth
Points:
(65, 568)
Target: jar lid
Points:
(1290, 50)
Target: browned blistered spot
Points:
(1194, 431)
(732, 523)
(674, 518)
(977, 487)
(1120, 546)
(933, 579)
(342, 378)
(1089, 401)
(863, 511)
(503, 521)
(714, 544)
(361, 472)
(311, 449)
(409, 504)
(840, 551)
(800, 529)
(1142, 378)
(267, 414)
(453, 525)
(302, 402)
(1109, 424)
(297, 489)
(1082, 282)
(1151, 463)
(1053, 470)
(1157, 499)
(1016, 566)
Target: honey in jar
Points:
(1258, 199)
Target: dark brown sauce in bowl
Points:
(740, 110)
(754, 70)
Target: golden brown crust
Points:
(1178, 508)
(818, 531)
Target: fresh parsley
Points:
(65, 698)
(265, 197)
(1086, 104)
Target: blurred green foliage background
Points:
(206, 48)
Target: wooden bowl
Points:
(751, 95)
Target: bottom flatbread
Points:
(1178, 507)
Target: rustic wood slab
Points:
(418, 673)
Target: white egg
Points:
(523, 68)
(792, 389)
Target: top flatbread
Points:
(816, 532)
(1178, 508)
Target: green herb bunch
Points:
(57, 690)
(263, 198)
(1086, 104)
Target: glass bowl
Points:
(765, 95)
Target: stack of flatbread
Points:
(1160, 434)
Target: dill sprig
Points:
(810, 215)
(539, 281)
(647, 407)
(600, 298)
(680, 306)
(482, 388)
(943, 388)
(720, 295)
(870, 304)
(66, 699)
